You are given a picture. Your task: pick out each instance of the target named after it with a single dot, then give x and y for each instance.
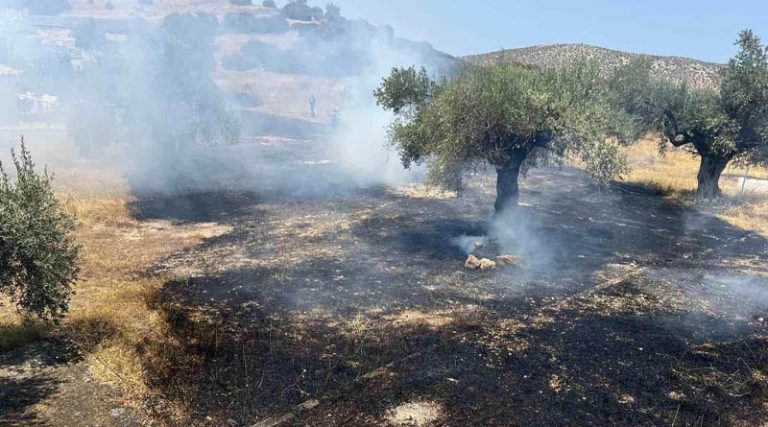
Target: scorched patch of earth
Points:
(356, 309)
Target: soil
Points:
(47, 383)
(629, 310)
(351, 306)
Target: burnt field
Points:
(353, 307)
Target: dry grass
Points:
(111, 317)
(674, 174)
(15, 332)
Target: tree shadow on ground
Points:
(27, 379)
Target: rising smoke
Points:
(145, 95)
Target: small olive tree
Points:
(38, 253)
(721, 124)
(505, 115)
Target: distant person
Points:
(335, 118)
(312, 102)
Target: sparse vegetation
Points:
(38, 254)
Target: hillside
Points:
(698, 73)
(269, 59)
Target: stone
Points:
(487, 264)
(472, 263)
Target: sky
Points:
(702, 29)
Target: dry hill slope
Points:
(698, 73)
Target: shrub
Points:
(298, 10)
(269, 3)
(241, 2)
(38, 254)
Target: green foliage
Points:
(502, 113)
(721, 124)
(745, 97)
(405, 88)
(38, 254)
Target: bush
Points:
(38, 254)
(298, 10)
(241, 2)
(269, 3)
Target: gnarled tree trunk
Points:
(507, 188)
(710, 169)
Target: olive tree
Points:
(38, 253)
(721, 124)
(508, 116)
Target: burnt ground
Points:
(354, 309)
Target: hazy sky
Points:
(703, 29)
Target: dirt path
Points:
(47, 383)
(308, 296)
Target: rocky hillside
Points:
(698, 73)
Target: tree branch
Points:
(676, 138)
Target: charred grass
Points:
(225, 307)
(355, 310)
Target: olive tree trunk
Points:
(507, 188)
(710, 169)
